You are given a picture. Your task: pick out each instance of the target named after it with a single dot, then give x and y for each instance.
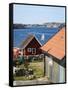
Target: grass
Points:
(24, 78)
(37, 67)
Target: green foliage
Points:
(37, 67)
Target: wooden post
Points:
(44, 65)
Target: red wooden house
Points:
(30, 46)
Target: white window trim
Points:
(34, 52)
(29, 49)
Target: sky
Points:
(28, 14)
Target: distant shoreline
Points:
(47, 25)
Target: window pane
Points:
(29, 49)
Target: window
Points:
(33, 50)
(29, 49)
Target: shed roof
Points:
(28, 40)
(56, 45)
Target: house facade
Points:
(16, 53)
(31, 46)
(54, 56)
(55, 70)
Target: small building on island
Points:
(54, 57)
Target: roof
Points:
(28, 40)
(56, 45)
(15, 49)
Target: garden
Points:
(30, 68)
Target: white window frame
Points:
(34, 52)
(29, 49)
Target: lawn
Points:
(37, 67)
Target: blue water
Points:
(21, 34)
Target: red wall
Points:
(33, 44)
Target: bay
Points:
(42, 34)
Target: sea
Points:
(43, 34)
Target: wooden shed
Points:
(55, 62)
(31, 46)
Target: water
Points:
(21, 34)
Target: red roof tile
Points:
(56, 45)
